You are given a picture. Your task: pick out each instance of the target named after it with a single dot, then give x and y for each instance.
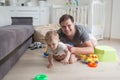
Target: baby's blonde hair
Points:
(51, 36)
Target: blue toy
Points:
(46, 52)
(76, 1)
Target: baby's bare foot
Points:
(73, 59)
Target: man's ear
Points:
(73, 23)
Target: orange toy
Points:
(92, 65)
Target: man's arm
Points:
(86, 49)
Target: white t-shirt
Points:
(60, 49)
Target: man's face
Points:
(68, 27)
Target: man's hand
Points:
(50, 65)
(71, 49)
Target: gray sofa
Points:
(14, 40)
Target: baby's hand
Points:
(65, 61)
(50, 65)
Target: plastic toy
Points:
(72, 3)
(83, 58)
(46, 52)
(69, 3)
(106, 53)
(91, 59)
(76, 1)
(92, 64)
(41, 77)
(36, 45)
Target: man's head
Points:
(67, 25)
(52, 39)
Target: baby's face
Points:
(53, 45)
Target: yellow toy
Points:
(83, 57)
(90, 59)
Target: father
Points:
(76, 35)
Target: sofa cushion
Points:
(5, 18)
(12, 36)
(40, 31)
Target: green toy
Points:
(41, 77)
(106, 54)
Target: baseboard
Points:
(106, 38)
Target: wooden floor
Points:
(33, 63)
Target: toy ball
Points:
(41, 77)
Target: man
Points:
(76, 35)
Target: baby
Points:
(58, 50)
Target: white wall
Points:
(112, 28)
(56, 2)
(115, 27)
(108, 11)
(62, 2)
(112, 19)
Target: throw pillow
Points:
(40, 31)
